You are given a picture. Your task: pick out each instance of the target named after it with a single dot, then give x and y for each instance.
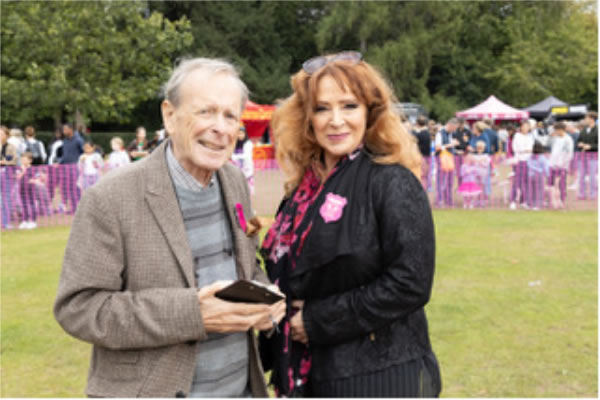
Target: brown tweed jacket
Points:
(128, 284)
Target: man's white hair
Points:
(210, 65)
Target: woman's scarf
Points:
(281, 248)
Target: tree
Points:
(98, 58)
(450, 55)
(402, 39)
(268, 40)
(551, 51)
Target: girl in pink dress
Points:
(470, 187)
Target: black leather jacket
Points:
(366, 277)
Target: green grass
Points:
(494, 334)
(38, 358)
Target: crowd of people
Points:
(72, 162)
(458, 159)
(540, 154)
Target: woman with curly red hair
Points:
(352, 245)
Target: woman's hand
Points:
(297, 323)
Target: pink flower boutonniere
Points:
(250, 227)
(239, 210)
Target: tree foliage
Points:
(268, 40)
(105, 58)
(553, 51)
(99, 58)
(450, 55)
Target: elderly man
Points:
(151, 244)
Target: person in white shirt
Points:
(90, 165)
(55, 148)
(242, 157)
(118, 157)
(560, 157)
(16, 139)
(522, 145)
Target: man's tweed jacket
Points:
(128, 284)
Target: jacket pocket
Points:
(121, 365)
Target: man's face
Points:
(451, 128)
(67, 131)
(588, 121)
(204, 126)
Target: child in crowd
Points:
(90, 165)
(483, 161)
(561, 154)
(470, 187)
(139, 147)
(538, 171)
(26, 181)
(242, 157)
(40, 185)
(118, 157)
(522, 145)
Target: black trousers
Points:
(415, 378)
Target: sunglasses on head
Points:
(312, 65)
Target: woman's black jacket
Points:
(366, 277)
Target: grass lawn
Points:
(513, 311)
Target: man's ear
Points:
(168, 110)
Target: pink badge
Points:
(333, 207)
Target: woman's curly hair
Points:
(386, 136)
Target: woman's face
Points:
(339, 120)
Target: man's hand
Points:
(226, 317)
(297, 323)
(276, 313)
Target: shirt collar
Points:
(180, 176)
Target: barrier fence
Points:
(49, 194)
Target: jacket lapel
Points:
(231, 195)
(163, 203)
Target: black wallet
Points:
(248, 292)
